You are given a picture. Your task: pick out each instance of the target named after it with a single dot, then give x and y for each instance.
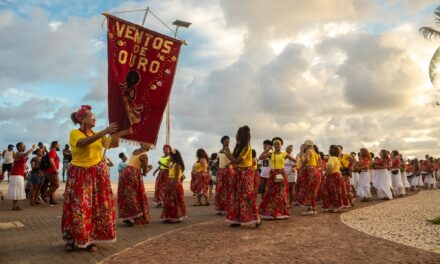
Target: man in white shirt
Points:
(264, 166)
(8, 159)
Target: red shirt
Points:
(18, 167)
(396, 163)
(53, 155)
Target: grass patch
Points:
(435, 221)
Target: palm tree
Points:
(429, 32)
(434, 34)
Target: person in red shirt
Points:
(16, 184)
(52, 172)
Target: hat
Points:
(308, 142)
(277, 139)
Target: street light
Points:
(177, 23)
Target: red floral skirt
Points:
(222, 189)
(132, 200)
(275, 202)
(160, 185)
(334, 194)
(242, 208)
(256, 182)
(200, 183)
(88, 209)
(174, 208)
(308, 187)
(347, 185)
(321, 188)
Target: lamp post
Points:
(177, 23)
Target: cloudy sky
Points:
(349, 72)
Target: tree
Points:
(434, 34)
(429, 32)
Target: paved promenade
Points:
(204, 238)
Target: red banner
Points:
(141, 67)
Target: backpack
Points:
(45, 162)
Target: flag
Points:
(141, 68)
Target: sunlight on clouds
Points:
(54, 25)
(278, 46)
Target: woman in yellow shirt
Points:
(174, 209)
(200, 178)
(335, 196)
(132, 201)
(163, 175)
(242, 208)
(223, 178)
(89, 210)
(275, 201)
(309, 179)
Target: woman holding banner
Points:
(89, 210)
(242, 208)
(132, 201)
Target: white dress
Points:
(398, 187)
(382, 179)
(288, 168)
(363, 189)
(354, 180)
(405, 180)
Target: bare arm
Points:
(231, 157)
(112, 128)
(290, 157)
(145, 168)
(19, 155)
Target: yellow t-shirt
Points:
(255, 164)
(172, 172)
(313, 159)
(345, 160)
(164, 161)
(89, 155)
(333, 165)
(198, 167)
(246, 156)
(277, 160)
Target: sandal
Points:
(258, 224)
(235, 225)
(206, 204)
(92, 248)
(128, 222)
(197, 204)
(69, 247)
(308, 213)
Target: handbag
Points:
(394, 172)
(278, 177)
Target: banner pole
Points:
(168, 107)
(145, 16)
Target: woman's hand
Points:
(112, 128)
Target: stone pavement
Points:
(301, 239)
(40, 240)
(204, 238)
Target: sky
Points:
(346, 72)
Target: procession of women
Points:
(248, 188)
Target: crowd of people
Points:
(248, 187)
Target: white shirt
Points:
(265, 168)
(8, 157)
(288, 166)
(223, 161)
